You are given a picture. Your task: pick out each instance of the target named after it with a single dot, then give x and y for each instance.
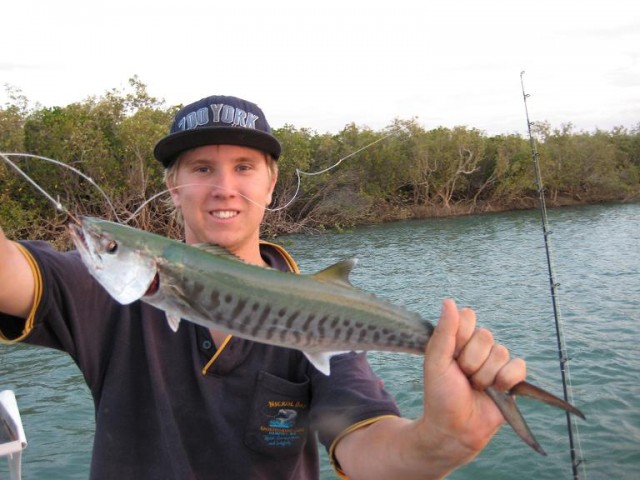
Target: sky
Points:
(323, 66)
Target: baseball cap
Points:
(217, 120)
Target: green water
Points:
(495, 263)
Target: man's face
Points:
(222, 192)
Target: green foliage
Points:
(12, 118)
(398, 172)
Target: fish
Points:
(320, 314)
(12, 437)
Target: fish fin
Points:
(321, 360)
(527, 390)
(173, 320)
(507, 406)
(338, 272)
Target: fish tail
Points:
(527, 390)
(507, 406)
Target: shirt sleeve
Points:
(350, 398)
(16, 329)
(72, 313)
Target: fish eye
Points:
(112, 247)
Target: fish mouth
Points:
(77, 235)
(81, 243)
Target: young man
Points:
(198, 404)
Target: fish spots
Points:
(195, 288)
(308, 321)
(363, 335)
(337, 333)
(320, 326)
(289, 326)
(249, 316)
(239, 308)
(292, 318)
(214, 299)
(264, 315)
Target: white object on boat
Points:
(12, 437)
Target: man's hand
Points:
(458, 420)
(461, 360)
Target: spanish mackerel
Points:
(320, 314)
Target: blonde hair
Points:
(171, 177)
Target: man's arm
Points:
(458, 420)
(16, 280)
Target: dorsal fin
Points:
(217, 250)
(337, 273)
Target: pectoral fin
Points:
(321, 360)
(173, 320)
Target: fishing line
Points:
(56, 203)
(299, 172)
(62, 208)
(576, 451)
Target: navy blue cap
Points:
(217, 120)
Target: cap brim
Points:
(168, 148)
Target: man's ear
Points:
(175, 193)
(274, 180)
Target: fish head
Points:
(116, 257)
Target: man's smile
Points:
(224, 214)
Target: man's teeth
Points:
(225, 214)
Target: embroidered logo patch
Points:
(281, 428)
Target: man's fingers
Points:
(511, 374)
(440, 349)
(466, 328)
(487, 372)
(475, 352)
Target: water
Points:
(495, 263)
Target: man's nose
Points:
(224, 185)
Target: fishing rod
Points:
(576, 456)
